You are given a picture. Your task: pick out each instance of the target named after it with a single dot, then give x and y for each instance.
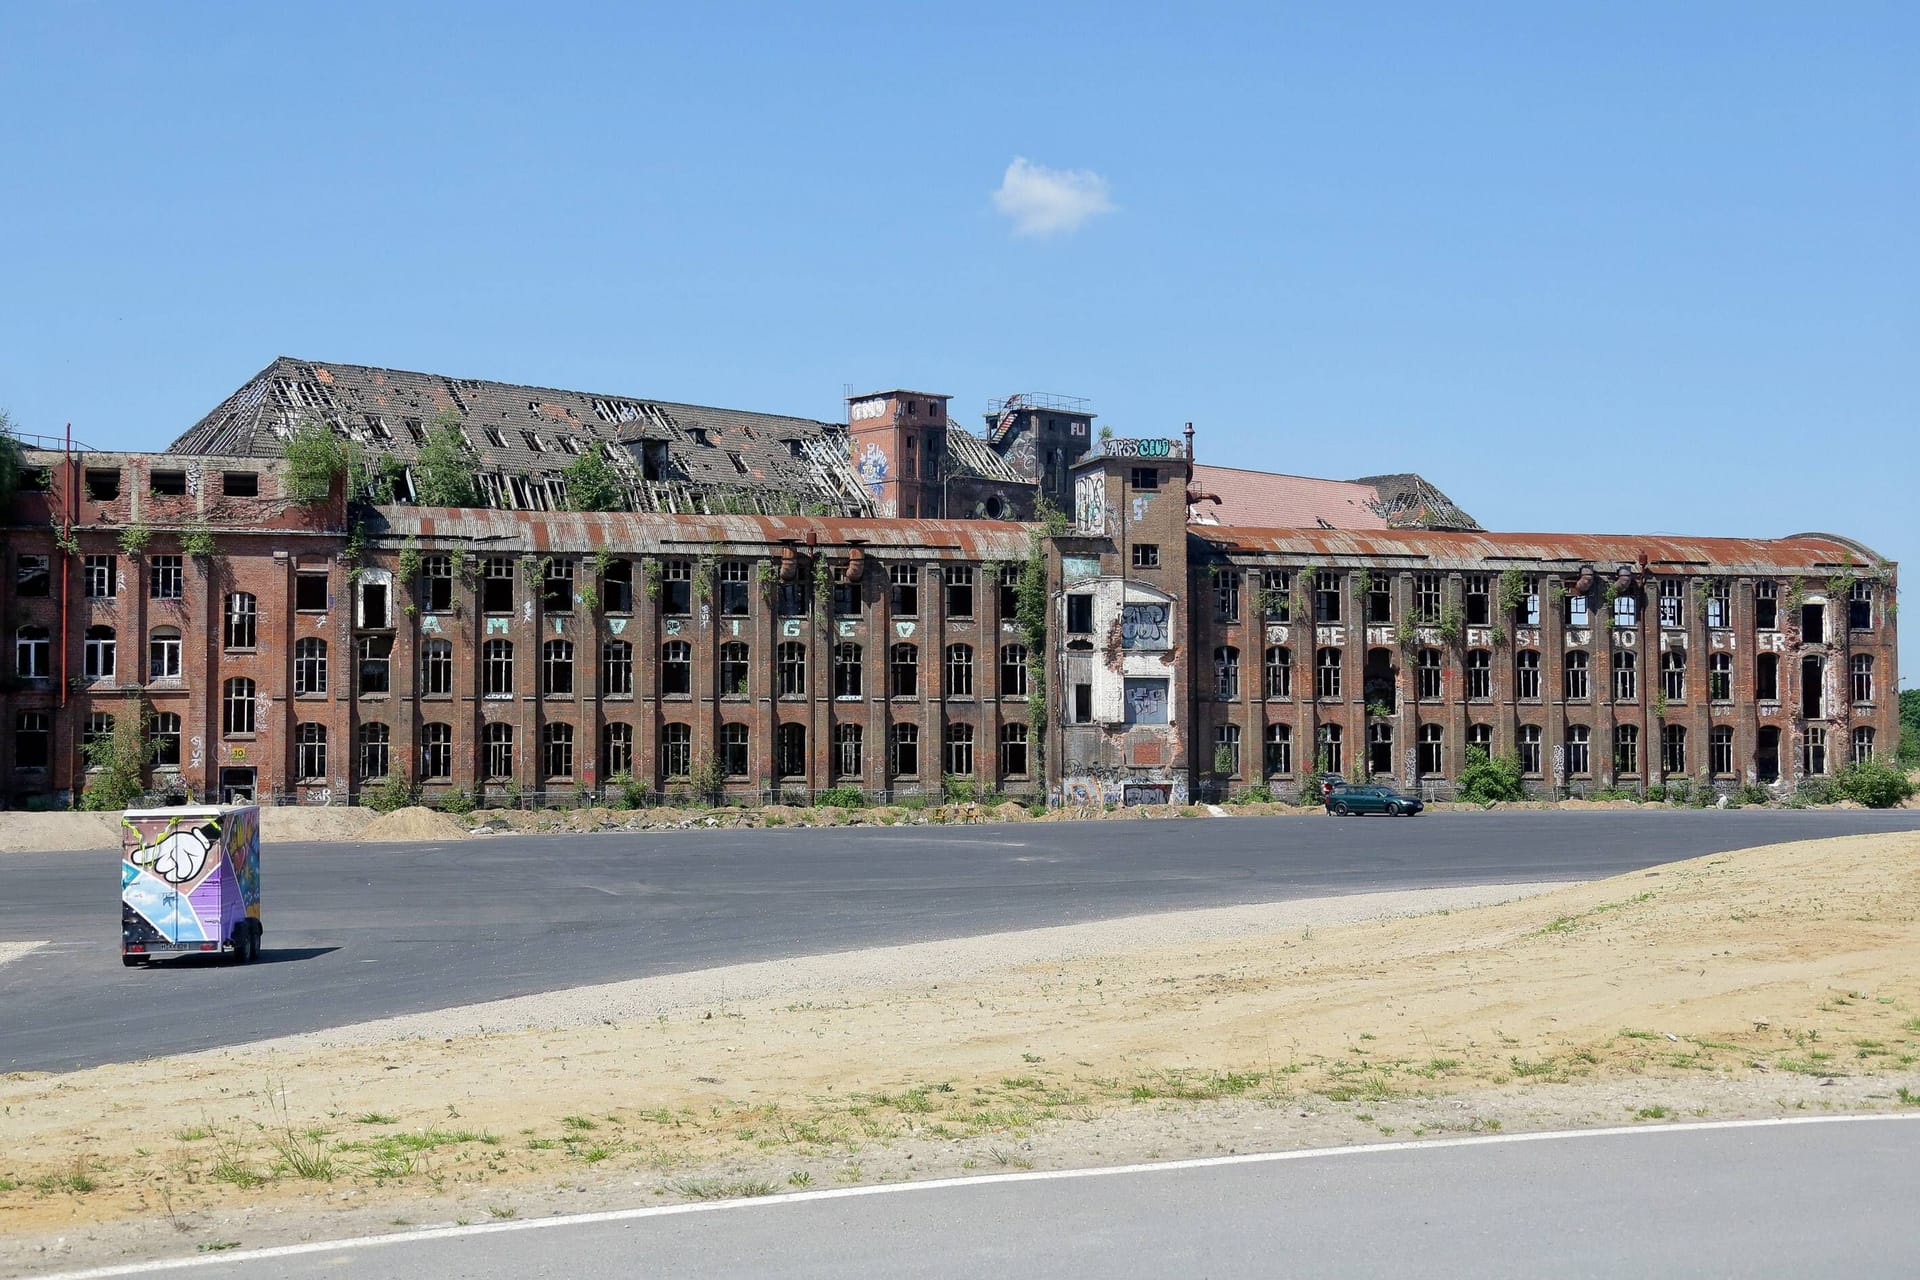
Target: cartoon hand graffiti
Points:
(178, 856)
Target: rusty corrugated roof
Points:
(670, 533)
(1806, 551)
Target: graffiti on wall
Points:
(871, 467)
(1143, 626)
(1090, 503)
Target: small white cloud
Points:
(1043, 201)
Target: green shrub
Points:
(1754, 793)
(1488, 779)
(1680, 791)
(624, 792)
(841, 798)
(1873, 784)
(1816, 791)
(1658, 791)
(315, 459)
(458, 803)
(958, 788)
(1259, 793)
(388, 794)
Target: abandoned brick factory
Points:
(345, 578)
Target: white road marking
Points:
(17, 950)
(943, 1184)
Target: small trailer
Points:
(190, 882)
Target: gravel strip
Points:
(948, 961)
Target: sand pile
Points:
(58, 832)
(414, 823)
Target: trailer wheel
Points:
(254, 931)
(133, 962)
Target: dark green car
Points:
(1370, 799)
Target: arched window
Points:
(1432, 674)
(959, 744)
(1327, 749)
(1013, 750)
(846, 670)
(310, 752)
(1226, 750)
(376, 663)
(163, 737)
(1626, 676)
(1526, 675)
(792, 659)
(676, 669)
(1380, 747)
(1480, 736)
(1013, 671)
(1479, 674)
(1673, 675)
(163, 653)
(1626, 749)
(1577, 688)
(1530, 750)
(436, 667)
(676, 750)
(1279, 749)
(959, 671)
(790, 750)
(616, 670)
(33, 653)
(848, 741)
(242, 616)
(309, 666)
(236, 707)
(903, 744)
(1720, 677)
(556, 751)
(496, 671)
(374, 742)
(1226, 673)
(733, 669)
(98, 659)
(1327, 673)
(1430, 757)
(1279, 667)
(436, 751)
(904, 666)
(556, 671)
(1579, 761)
(1673, 748)
(616, 751)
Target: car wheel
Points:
(1340, 809)
(1393, 810)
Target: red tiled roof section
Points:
(1802, 551)
(1267, 500)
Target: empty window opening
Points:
(167, 484)
(556, 587)
(33, 575)
(1766, 606)
(960, 591)
(496, 587)
(904, 746)
(734, 595)
(376, 664)
(240, 484)
(1479, 599)
(1146, 555)
(103, 485)
(1080, 614)
(436, 583)
(1380, 748)
(1226, 596)
(1766, 754)
(375, 612)
(1083, 703)
(310, 592)
(1812, 688)
(733, 669)
(1766, 677)
(676, 588)
(676, 669)
(904, 667)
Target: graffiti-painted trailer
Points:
(190, 882)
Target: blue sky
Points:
(1591, 267)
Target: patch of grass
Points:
(722, 1188)
(303, 1155)
(596, 1153)
(542, 1144)
(1655, 1112)
(1530, 1070)
(8, 1184)
(217, 1246)
(1908, 1098)
(77, 1180)
(194, 1133)
(502, 1211)
(579, 1124)
(375, 1117)
(799, 1178)
(1632, 1034)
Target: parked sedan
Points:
(1370, 799)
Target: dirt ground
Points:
(1738, 984)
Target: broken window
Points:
(496, 669)
(1530, 608)
(1145, 478)
(959, 591)
(1146, 555)
(795, 598)
(1327, 745)
(240, 484)
(309, 666)
(1673, 749)
(99, 577)
(792, 661)
(376, 664)
(1426, 597)
(1009, 591)
(496, 587)
(653, 459)
(1428, 750)
(1579, 762)
(415, 430)
(499, 752)
(676, 588)
(616, 587)
(739, 464)
(1013, 671)
(1626, 749)
(1860, 606)
(676, 668)
(1080, 614)
(1479, 599)
(1813, 699)
(1719, 604)
(1672, 607)
(1673, 675)
(1379, 599)
(616, 751)
(103, 485)
(1481, 736)
(1720, 677)
(733, 669)
(1813, 760)
(164, 581)
(494, 438)
(1226, 743)
(556, 586)
(1720, 751)
(310, 592)
(436, 668)
(1083, 703)
(436, 583)
(1577, 611)
(556, 751)
(241, 618)
(960, 671)
(1626, 677)
(846, 670)
(1279, 672)
(1327, 673)
(1526, 673)
(1276, 595)
(533, 441)
(1766, 677)
(167, 484)
(676, 750)
(903, 744)
(733, 750)
(1226, 673)
(1226, 595)
(846, 599)
(236, 707)
(33, 653)
(1860, 671)
(1626, 611)
(904, 671)
(616, 669)
(33, 575)
(1530, 750)
(1432, 674)
(1766, 606)
(310, 752)
(1279, 749)
(1862, 744)
(373, 606)
(1013, 750)
(734, 595)
(1479, 674)
(790, 750)
(376, 741)
(909, 468)
(556, 668)
(1576, 673)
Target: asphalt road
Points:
(360, 931)
(1809, 1199)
